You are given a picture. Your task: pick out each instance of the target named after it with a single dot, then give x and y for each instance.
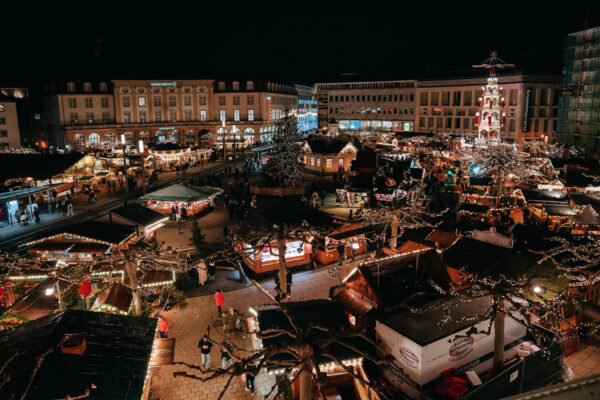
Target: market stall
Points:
(298, 252)
(194, 199)
(352, 236)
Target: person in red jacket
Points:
(163, 327)
(219, 300)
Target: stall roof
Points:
(354, 302)
(542, 195)
(587, 217)
(17, 194)
(52, 245)
(35, 303)
(357, 231)
(115, 360)
(168, 146)
(84, 247)
(445, 239)
(37, 166)
(139, 214)
(485, 258)
(90, 230)
(423, 328)
(559, 210)
(116, 295)
(325, 146)
(480, 180)
(591, 199)
(180, 192)
(477, 208)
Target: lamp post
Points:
(55, 288)
(124, 164)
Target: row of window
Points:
(369, 98)
(372, 111)
(537, 97)
(158, 116)
(87, 87)
(93, 139)
(157, 101)
(236, 115)
(468, 124)
(365, 85)
(236, 100)
(88, 102)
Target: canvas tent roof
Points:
(180, 192)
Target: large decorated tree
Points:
(283, 165)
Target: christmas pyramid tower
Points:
(489, 120)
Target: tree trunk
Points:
(137, 300)
(394, 235)
(499, 339)
(306, 376)
(281, 248)
(499, 187)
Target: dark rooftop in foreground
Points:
(138, 214)
(326, 145)
(38, 166)
(115, 360)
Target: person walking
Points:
(69, 209)
(173, 212)
(212, 269)
(219, 300)
(225, 356)
(205, 344)
(341, 250)
(229, 321)
(202, 273)
(288, 281)
(36, 214)
(163, 327)
(250, 374)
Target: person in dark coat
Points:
(341, 250)
(288, 279)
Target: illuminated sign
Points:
(163, 83)
(167, 128)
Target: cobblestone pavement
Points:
(584, 362)
(189, 323)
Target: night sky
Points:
(173, 39)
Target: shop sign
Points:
(525, 123)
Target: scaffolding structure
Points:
(579, 109)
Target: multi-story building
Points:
(10, 135)
(307, 108)
(530, 105)
(165, 110)
(80, 114)
(579, 115)
(387, 105)
(250, 109)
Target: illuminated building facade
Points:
(375, 105)
(156, 111)
(307, 109)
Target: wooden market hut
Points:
(328, 155)
(325, 247)
(195, 199)
(115, 299)
(145, 220)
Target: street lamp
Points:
(50, 292)
(539, 290)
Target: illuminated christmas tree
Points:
(490, 117)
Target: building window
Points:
(250, 100)
(172, 101)
(74, 118)
(187, 100)
(221, 100)
(103, 87)
(467, 98)
(329, 163)
(87, 87)
(249, 85)
(104, 102)
(235, 86)
(142, 116)
(3, 134)
(2, 121)
(157, 116)
(250, 115)
(173, 116)
(126, 102)
(142, 101)
(78, 140)
(109, 138)
(236, 100)
(71, 87)
(105, 117)
(94, 139)
(221, 85)
(127, 117)
(512, 97)
(236, 115)
(203, 115)
(90, 118)
(89, 102)
(221, 115)
(157, 102)
(188, 115)
(72, 102)
(312, 161)
(202, 100)
(456, 98)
